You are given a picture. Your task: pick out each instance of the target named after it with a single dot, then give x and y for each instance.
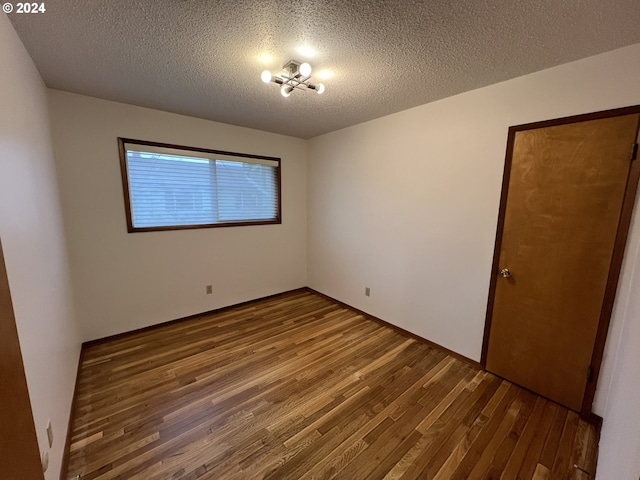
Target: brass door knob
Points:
(505, 273)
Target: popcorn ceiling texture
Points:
(202, 58)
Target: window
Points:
(168, 187)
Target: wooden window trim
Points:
(127, 196)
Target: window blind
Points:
(173, 188)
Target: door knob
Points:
(505, 273)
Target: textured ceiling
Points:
(204, 58)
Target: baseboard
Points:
(595, 420)
(401, 330)
(120, 336)
(64, 468)
(592, 418)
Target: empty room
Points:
(354, 240)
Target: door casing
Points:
(19, 452)
(618, 250)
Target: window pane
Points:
(168, 190)
(245, 191)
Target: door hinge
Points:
(634, 152)
(589, 374)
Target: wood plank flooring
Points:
(299, 387)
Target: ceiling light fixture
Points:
(295, 75)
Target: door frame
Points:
(19, 455)
(618, 249)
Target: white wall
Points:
(125, 281)
(407, 205)
(619, 456)
(34, 245)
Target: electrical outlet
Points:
(50, 433)
(367, 291)
(45, 461)
(209, 289)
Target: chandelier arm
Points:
(293, 79)
(302, 85)
(296, 84)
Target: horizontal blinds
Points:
(182, 190)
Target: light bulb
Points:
(305, 69)
(320, 88)
(266, 76)
(286, 90)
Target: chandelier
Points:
(295, 75)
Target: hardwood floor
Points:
(299, 387)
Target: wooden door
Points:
(563, 223)
(19, 457)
